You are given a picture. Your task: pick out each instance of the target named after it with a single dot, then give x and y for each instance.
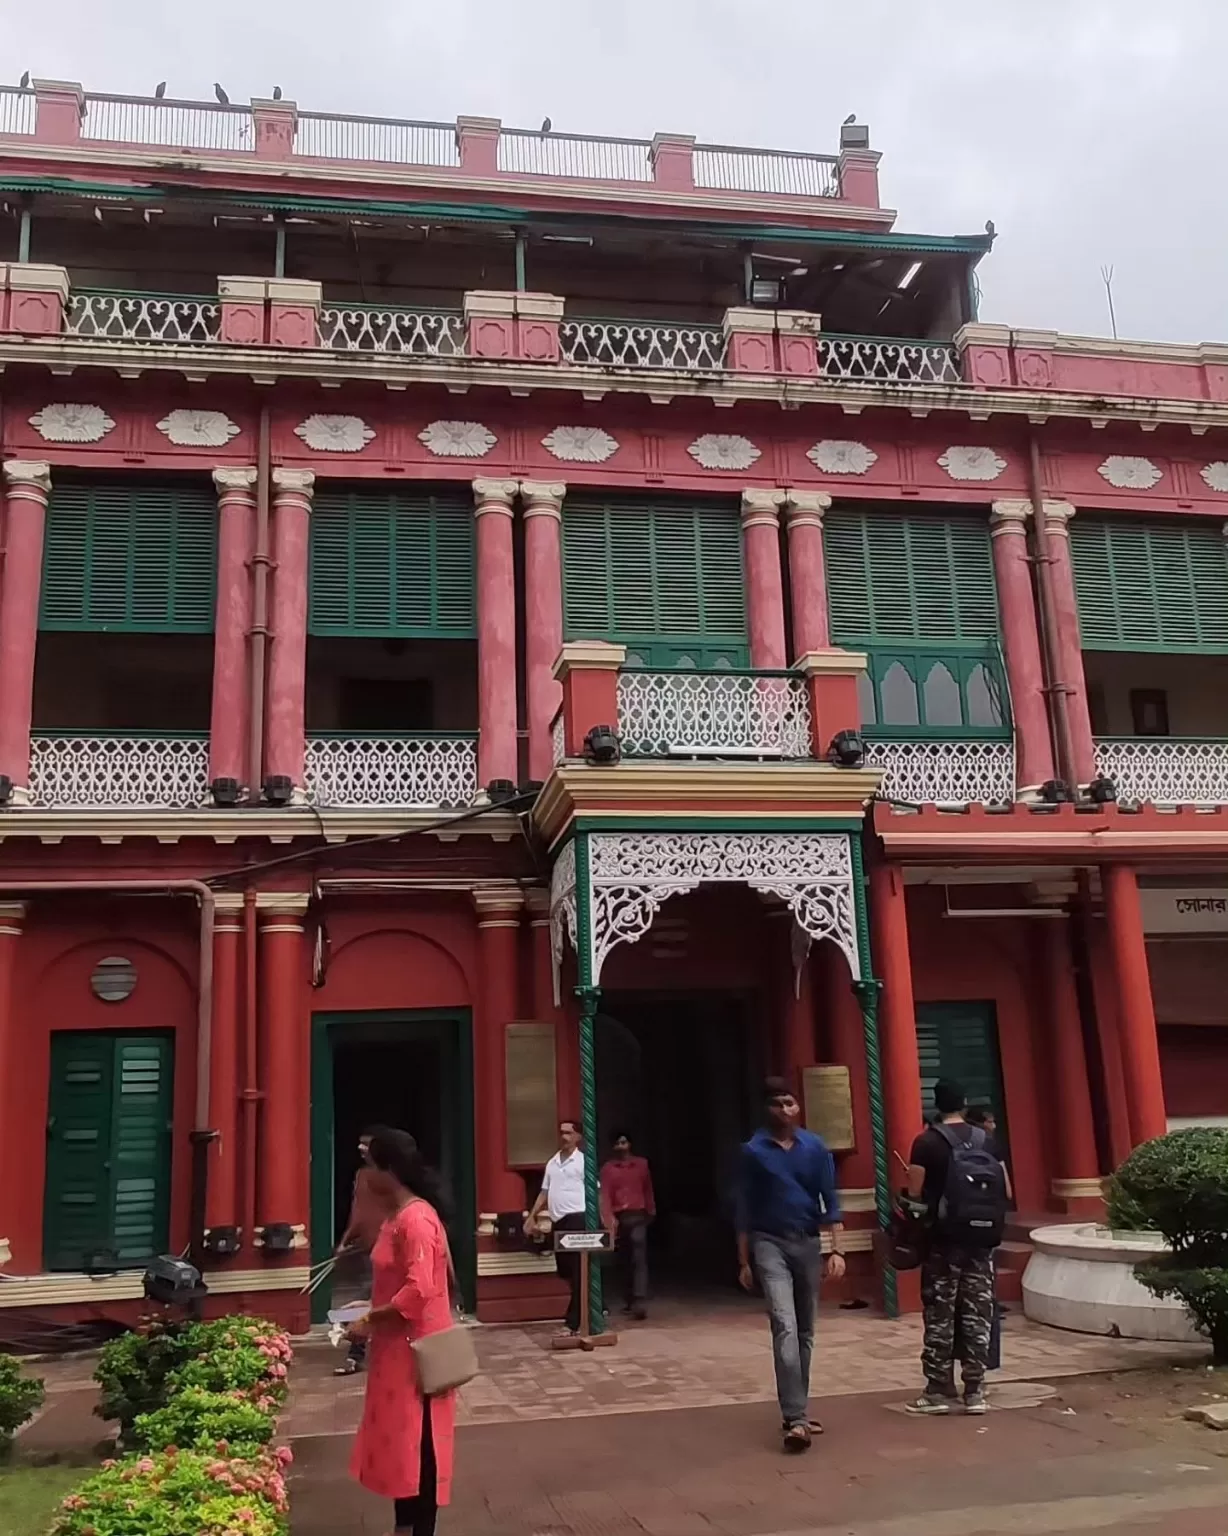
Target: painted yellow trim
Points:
(73, 1289)
(1079, 1189)
(220, 826)
(514, 1264)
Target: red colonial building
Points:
(494, 623)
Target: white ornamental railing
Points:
(358, 770)
(1165, 770)
(83, 772)
(109, 316)
(946, 772)
(641, 344)
(371, 328)
(713, 714)
(872, 360)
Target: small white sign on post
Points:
(1186, 909)
(582, 1242)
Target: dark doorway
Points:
(410, 1071)
(678, 1073)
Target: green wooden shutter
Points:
(896, 576)
(664, 574)
(130, 557)
(960, 1041)
(107, 1191)
(1150, 586)
(396, 563)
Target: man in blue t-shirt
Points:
(786, 1191)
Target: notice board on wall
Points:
(827, 1103)
(532, 1126)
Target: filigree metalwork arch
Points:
(632, 874)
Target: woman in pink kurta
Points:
(404, 1447)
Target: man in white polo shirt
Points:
(562, 1198)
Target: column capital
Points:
(273, 905)
(495, 496)
(537, 900)
(498, 905)
(759, 506)
(806, 508)
(1057, 516)
(542, 498)
(294, 482)
(228, 480)
(1008, 517)
(12, 915)
(33, 474)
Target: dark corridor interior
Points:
(678, 1074)
(397, 1083)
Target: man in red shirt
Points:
(627, 1206)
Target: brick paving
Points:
(687, 1357)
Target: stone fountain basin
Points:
(1081, 1277)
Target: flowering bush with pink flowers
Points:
(181, 1493)
(198, 1420)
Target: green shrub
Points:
(180, 1493)
(1180, 1184)
(204, 1421)
(132, 1370)
(1122, 1213)
(20, 1399)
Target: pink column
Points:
(284, 728)
(1070, 650)
(498, 912)
(236, 506)
(765, 596)
(496, 632)
(1021, 646)
(807, 583)
(543, 596)
(1140, 1045)
(29, 485)
(1076, 1180)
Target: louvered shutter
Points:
(894, 576)
(663, 576)
(959, 1041)
(1150, 586)
(393, 564)
(107, 1189)
(130, 557)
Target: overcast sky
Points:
(1092, 132)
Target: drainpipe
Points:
(1057, 689)
(250, 1097)
(201, 1134)
(259, 635)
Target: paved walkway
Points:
(700, 1358)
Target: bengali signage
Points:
(1186, 909)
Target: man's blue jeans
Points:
(788, 1269)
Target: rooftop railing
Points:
(181, 124)
(766, 170)
(335, 136)
(574, 155)
(17, 110)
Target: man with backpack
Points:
(953, 1169)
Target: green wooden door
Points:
(107, 1193)
(960, 1041)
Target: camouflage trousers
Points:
(957, 1301)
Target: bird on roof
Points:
(160, 90)
(990, 230)
(277, 93)
(546, 125)
(221, 94)
(851, 118)
(24, 81)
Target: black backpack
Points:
(972, 1208)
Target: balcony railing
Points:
(641, 344)
(392, 141)
(181, 124)
(361, 769)
(766, 170)
(713, 714)
(109, 771)
(387, 328)
(17, 110)
(946, 771)
(107, 315)
(1165, 770)
(576, 156)
(872, 360)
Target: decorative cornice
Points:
(807, 793)
(589, 656)
(833, 662)
(280, 825)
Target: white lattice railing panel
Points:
(558, 739)
(142, 317)
(1164, 770)
(713, 714)
(945, 772)
(417, 332)
(641, 344)
(872, 360)
(98, 772)
(392, 770)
